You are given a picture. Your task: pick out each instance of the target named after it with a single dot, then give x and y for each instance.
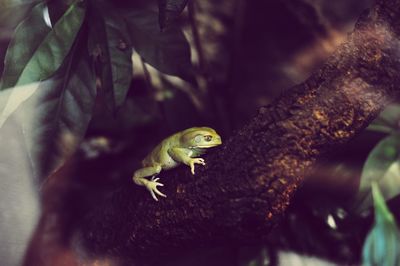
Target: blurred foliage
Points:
(383, 163)
(46, 57)
(382, 246)
(382, 166)
(388, 120)
(169, 10)
(109, 43)
(53, 53)
(167, 51)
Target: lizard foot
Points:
(193, 161)
(152, 187)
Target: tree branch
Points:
(247, 183)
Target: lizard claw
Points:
(194, 161)
(152, 187)
(155, 179)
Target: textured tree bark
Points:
(247, 183)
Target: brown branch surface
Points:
(247, 183)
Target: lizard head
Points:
(200, 137)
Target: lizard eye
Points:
(208, 138)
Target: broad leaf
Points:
(19, 94)
(38, 62)
(13, 11)
(382, 246)
(383, 167)
(167, 51)
(169, 10)
(388, 120)
(56, 117)
(27, 38)
(120, 58)
(56, 9)
(52, 51)
(108, 42)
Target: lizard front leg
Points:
(151, 185)
(183, 155)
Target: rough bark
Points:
(247, 183)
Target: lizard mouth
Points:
(210, 145)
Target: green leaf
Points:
(115, 54)
(168, 51)
(27, 38)
(13, 11)
(52, 51)
(382, 212)
(388, 119)
(382, 166)
(120, 58)
(43, 56)
(56, 117)
(382, 246)
(56, 9)
(169, 10)
(379, 128)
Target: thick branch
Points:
(247, 184)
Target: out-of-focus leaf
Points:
(56, 117)
(168, 10)
(388, 118)
(19, 94)
(56, 9)
(40, 59)
(13, 11)
(120, 58)
(382, 166)
(27, 38)
(109, 42)
(380, 128)
(20, 202)
(382, 246)
(51, 53)
(168, 51)
(137, 112)
(179, 103)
